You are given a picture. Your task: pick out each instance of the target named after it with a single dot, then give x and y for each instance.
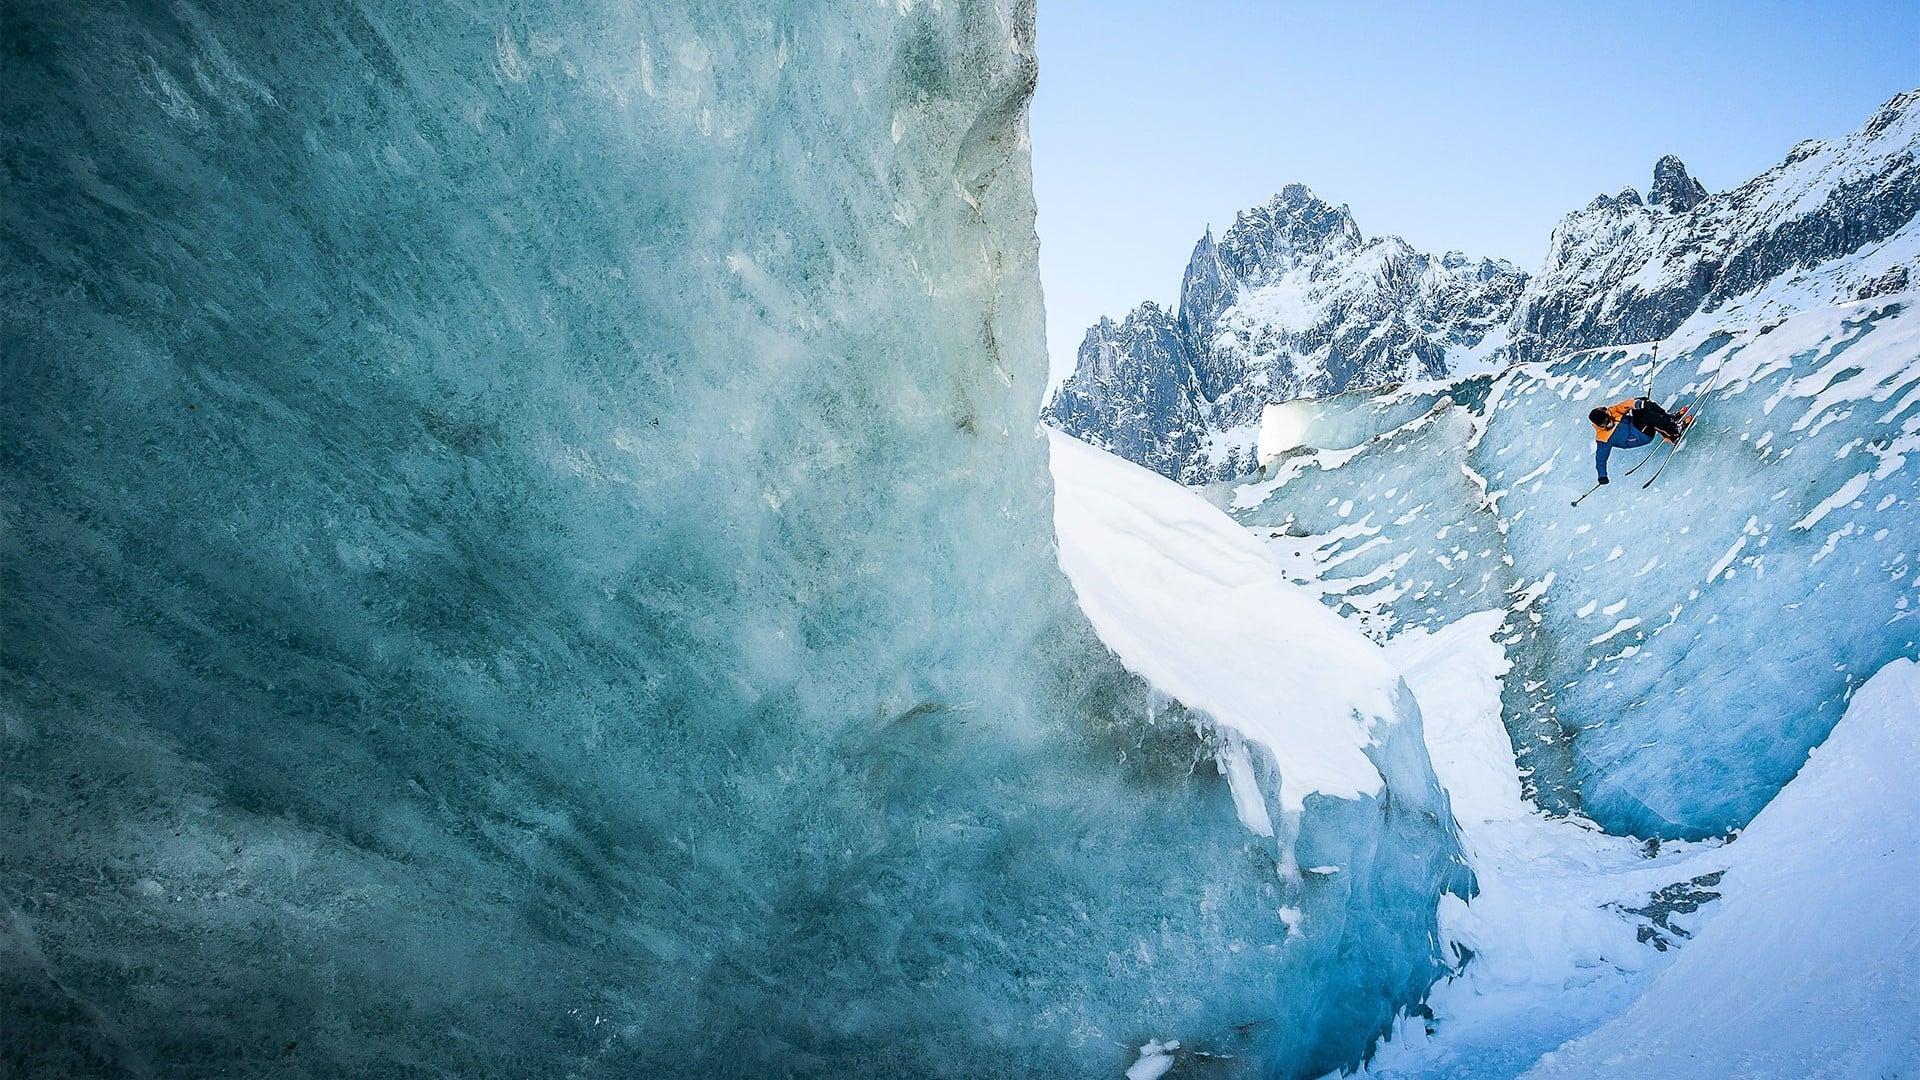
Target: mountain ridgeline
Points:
(1293, 300)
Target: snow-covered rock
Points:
(1292, 300)
(1625, 270)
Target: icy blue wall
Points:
(1400, 535)
(1770, 570)
(1677, 649)
(527, 553)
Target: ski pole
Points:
(1583, 498)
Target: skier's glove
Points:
(1603, 479)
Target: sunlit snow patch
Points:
(1314, 730)
(1192, 602)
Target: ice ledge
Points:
(1190, 601)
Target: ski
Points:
(1671, 450)
(1692, 412)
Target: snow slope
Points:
(1191, 601)
(1790, 952)
(1581, 954)
(1810, 967)
(1677, 649)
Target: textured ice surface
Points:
(1677, 649)
(526, 554)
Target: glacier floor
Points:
(1809, 967)
(1565, 929)
(1582, 953)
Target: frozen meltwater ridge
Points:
(527, 554)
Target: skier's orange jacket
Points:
(1617, 412)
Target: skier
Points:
(1630, 423)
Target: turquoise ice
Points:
(527, 553)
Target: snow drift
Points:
(1810, 958)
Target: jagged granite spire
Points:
(1673, 187)
(1292, 298)
(1132, 385)
(1205, 291)
(1293, 225)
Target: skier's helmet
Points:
(1600, 418)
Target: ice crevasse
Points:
(527, 553)
(1677, 648)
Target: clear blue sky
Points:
(1468, 126)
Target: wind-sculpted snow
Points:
(527, 555)
(1677, 649)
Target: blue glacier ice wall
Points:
(1395, 531)
(526, 553)
(1678, 649)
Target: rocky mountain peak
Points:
(1205, 289)
(1277, 234)
(1673, 187)
(1892, 112)
(1292, 300)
